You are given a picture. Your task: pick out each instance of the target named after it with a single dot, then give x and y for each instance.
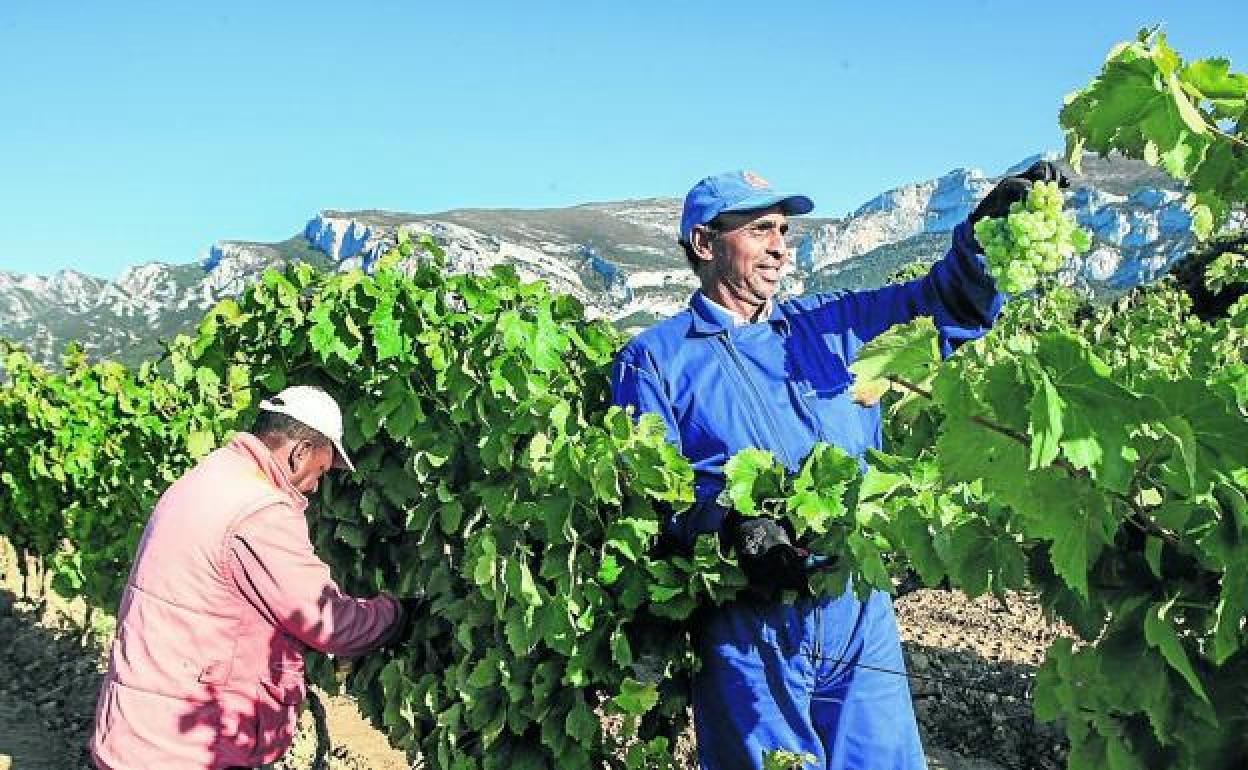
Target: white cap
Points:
(316, 409)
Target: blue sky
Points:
(135, 131)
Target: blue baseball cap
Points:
(735, 191)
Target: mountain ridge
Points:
(618, 257)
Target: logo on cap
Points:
(754, 180)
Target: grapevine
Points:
(84, 455)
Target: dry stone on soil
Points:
(972, 664)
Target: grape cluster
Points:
(1033, 240)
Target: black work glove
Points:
(411, 610)
(1015, 188)
(766, 553)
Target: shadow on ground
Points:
(48, 683)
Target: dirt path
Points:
(355, 744)
(972, 664)
(47, 680)
(25, 744)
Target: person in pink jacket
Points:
(226, 593)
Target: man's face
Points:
(748, 256)
(308, 462)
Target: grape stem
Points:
(1139, 518)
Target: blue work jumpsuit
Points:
(776, 675)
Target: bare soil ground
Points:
(971, 665)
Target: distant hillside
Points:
(871, 269)
(619, 258)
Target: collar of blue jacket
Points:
(709, 320)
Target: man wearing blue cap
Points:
(739, 369)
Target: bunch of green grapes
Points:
(1033, 240)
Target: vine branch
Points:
(1139, 517)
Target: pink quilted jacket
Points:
(206, 670)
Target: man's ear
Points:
(701, 238)
(300, 453)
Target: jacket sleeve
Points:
(636, 383)
(274, 566)
(957, 293)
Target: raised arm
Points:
(957, 293)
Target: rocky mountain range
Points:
(619, 258)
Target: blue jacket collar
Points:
(708, 320)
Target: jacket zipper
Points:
(817, 644)
(758, 401)
(743, 373)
